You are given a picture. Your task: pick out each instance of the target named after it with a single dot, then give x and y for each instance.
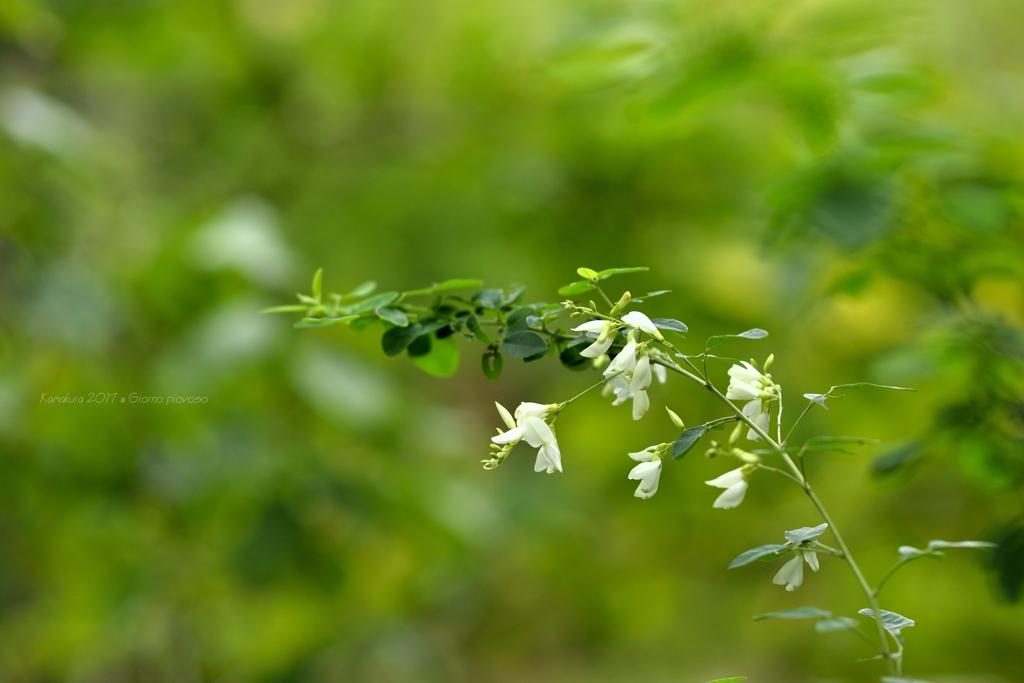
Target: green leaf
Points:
(587, 273)
(608, 272)
(869, 385)
(364, 289)
(571, 358)
(757, 553)
(892, 622)
(523, 344)
(517, 319)
(513, 294)
(640, 299)
(835, 624)
(488, 298)
(370, 304)
(319, 322)
(317, 287)
(934, 547)
(755, 333)
(576, 288)
(807, 533)
(442, 360)
(819, 440)
(734, 679)
(894, 459)
(473, 323)
(291, 308)
(393, 315)
(491, 363)
(360, 324)
(798, 613)
(397, 339)
(420, 346)
(688, 439)
(442, 286)
(670, 324)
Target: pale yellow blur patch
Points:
(732, 276)
(1002, 297)
(871, 320)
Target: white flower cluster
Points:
(529, 425)
(747, 383)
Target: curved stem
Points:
(798, 475)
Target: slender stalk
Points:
(902, 561)
(604, 296)
(798, 475)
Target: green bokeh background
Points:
(847, 175)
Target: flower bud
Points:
(623, 302)
(735, 436)
(676, 420)
(744, 456)
(601, 361)
(768, 363)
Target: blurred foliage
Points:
(847, 175)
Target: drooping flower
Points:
(648, 472)
(629, 378)
(529, 425)
(746, 383)
(660, 372)
(735, 484)
(643, 323)
(606, 335)
(792, 573)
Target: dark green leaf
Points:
(523, 344)
(755, 333)
(491, 362)
(473, 323)
(607, 273)
(576, 288)
(517, 319)
(754, 554)
(571, 358)
(670, 324)
(513, 294)
(397, 339)
(798, 613)
(583, 339)
(394, 316)
(688, 439)
(488, 298)
(442, 360)
(892, 460)
(420, 346)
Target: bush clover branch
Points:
(630, 350)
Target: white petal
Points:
(753, 408)
(626, 360)
(812, 560)
(762, 420)
(551, 457)
(511, 436)
(742, 391)
(641, 375)
(643, 456)
(645, 469)
(746, 373)
(526, 410)
(505, 415)
(660, 372)
(597, 348)
(642, 322)
(730, 478)
(641, 404)
(731, 497)
(590, 326)
(536, 432)
(791, 574)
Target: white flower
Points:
(604, 340)
(648, 472)
(629, 378)
(735, 484)
(530, 426)
(759, 413)
(660, 372)
(748, 384)
(792, 573)
(643, 323)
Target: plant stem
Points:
(802, 481)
